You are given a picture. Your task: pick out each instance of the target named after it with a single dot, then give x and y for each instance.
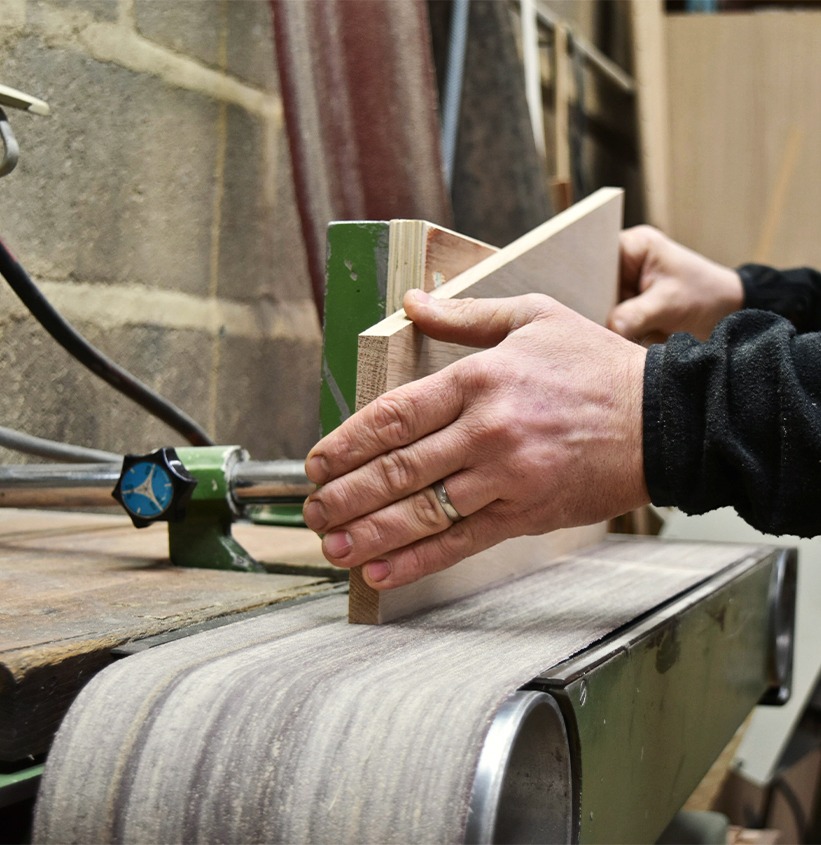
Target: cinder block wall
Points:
(155, 208)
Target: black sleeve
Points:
(737, 421)
(794, 294)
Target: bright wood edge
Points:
(649, 61)
(422, 254)
(369, 606)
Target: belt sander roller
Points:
(580, 703)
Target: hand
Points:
(542, 431)
(674, 289)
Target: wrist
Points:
(636, 489)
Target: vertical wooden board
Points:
(744, 123)
(651, 86)
(572, 257)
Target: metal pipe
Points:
(90, 485)
(58, 485)
(269, 482)
(454, 78)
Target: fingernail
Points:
(315, 515)
(316, 468)
(377, 570)
(337, 543)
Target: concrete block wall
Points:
(155, 208)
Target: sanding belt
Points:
(296, 727)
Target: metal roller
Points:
(523, 787)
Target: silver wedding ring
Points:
(444, 500)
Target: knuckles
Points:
(393, 420)
(397, 471)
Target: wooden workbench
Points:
(76, 586)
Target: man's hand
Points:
(541, 431)
(668, 288)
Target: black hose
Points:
(89, 356)
(28, 444)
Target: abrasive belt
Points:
(296, 727)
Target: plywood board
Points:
(744, 128)
(572, 257)
(424, 255)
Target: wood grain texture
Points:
(744, 129)
(424, 255)
(75, 586)
(650, 68)
(297, 728)
(572, 257)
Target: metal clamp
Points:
(11, 98)
(11, 149)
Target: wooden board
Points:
(424, 255)
(573, 257)
(75, 586)
(745, 118)
(647, 19)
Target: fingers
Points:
(642, 316)
(472, 322)
(398, 525)
(391, 421)
(635, 244)
(439, 551)
(405, 521)
(391, 476)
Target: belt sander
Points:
(580, 703)
(580, 699)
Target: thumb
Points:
(640, 316)
(471, 322)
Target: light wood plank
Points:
(648, 18)
(561, 185)
(573, 257)
(744, 128)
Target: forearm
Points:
(737, 421)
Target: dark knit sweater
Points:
(736, 420)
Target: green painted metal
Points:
(203, 538)
(19, 785)
(356, 279)
(356, 285)
(647, 721)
